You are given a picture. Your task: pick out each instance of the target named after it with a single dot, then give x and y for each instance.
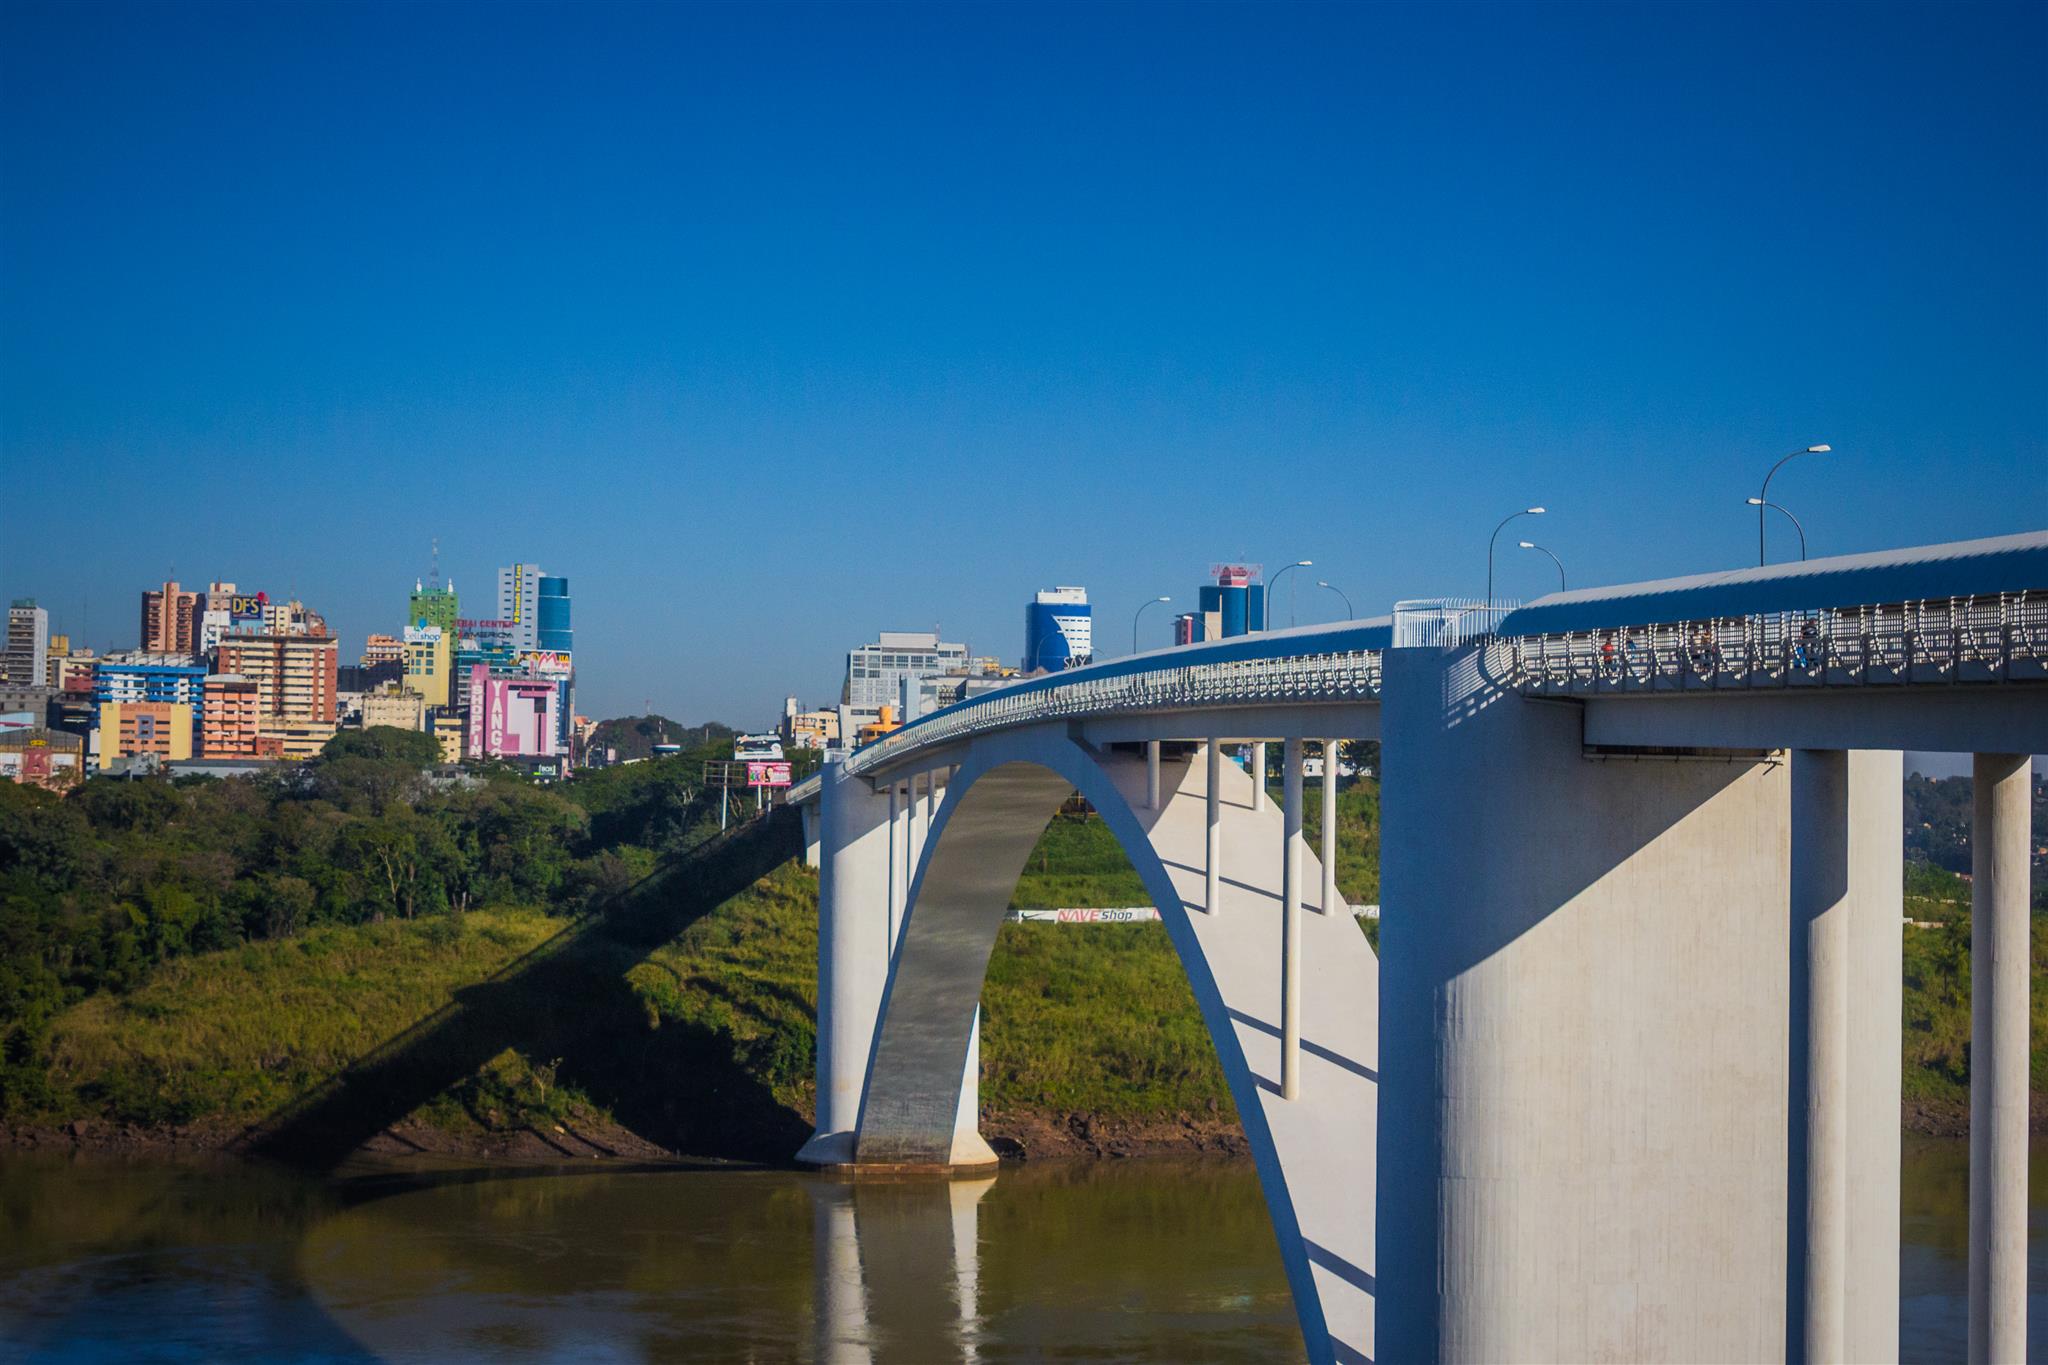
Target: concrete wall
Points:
(1587, 1134)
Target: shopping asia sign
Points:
(767, 774)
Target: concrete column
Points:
(853, 960)
(1820, 935)
(1152, 774)
(1259, 775)
(1329, 900)
(913, 846)
(1999, 1010)
(1290, 926)
(810, 818)
(1213, 863)
(931, 799)
(895, 889)
(900, 805)
(1870, 1307)
(967, 1116)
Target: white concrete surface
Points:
(1586, 1001)
(853, 952)
(2000, 953)
(1820, 933)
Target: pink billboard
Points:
(511, 717)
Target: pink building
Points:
(511, 717)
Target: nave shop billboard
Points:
(1133, 914)
(767, 774)
(547, 663)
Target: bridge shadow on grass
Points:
(568, 998)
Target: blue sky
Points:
(774, 327)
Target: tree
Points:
(414, 747)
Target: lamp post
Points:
(1532, 545)
(1349, 614)
(1759, 501)
(1297, 564)
(1525, 512)
(1140, 612)
(1759, 504)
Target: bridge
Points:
(1638, 982)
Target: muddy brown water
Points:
(103, 1259)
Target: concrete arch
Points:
(1319, 1147)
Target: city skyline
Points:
(771, 339)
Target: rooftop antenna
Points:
(434, 575)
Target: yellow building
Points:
(448, 730)
(404, 710)
(429, 663)
(296, 738)
(128, 728)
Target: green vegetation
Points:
(218, 951)
(102, 887)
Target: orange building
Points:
(231, 719)
(383, 649)
(170, 620)
(295, 675)
(129, 728)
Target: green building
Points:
(434, 607)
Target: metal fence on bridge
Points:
(1989, 639)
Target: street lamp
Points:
(1525, 512)
(1297, 564)
(1765, 492)
(1349, 614)
(1759, 504)
(1140, 612)
(1532, 545)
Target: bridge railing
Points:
(2001, 638)
(1352, 675)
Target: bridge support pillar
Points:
(1999, 1009)
(1290, 923)
(809, 815)
(1820, 944)
(1328, 904)
(856, 914)
(1152, 774)
(1212, 863)
(1259, 775)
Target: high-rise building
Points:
(875, 673)
(295, 675)
(1235, 604)
(400, 710)
(429, 664)
(519, 603)
(382, 649)
(1059, 631)
(170, 620)
(26, 660)
(231, 719)
(436, 606)
(552, 628)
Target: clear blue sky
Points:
(774, 327)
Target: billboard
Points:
(1136, 914)
(547, 663)
(422, 635)
(767, 774)
(247, 606)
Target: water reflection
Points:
(1140, 1261)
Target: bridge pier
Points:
(2000, 954)
(1329, 902)
(1212, 797)
(1582, 1062)
(1290, 922)
(856, 919)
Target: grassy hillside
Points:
(706, 1042)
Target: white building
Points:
(875, 673)
(519, 603)
(26, 660)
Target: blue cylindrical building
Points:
(552, 613)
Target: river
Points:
(152, 1260)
